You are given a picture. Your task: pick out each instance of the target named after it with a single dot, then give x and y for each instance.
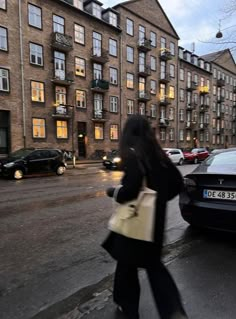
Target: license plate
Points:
(219, 194)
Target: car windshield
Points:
(194, 150)
(225, 159)
(20, 153)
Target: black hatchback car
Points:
(209, 197)
(30, 161)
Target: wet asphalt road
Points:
(51, 229)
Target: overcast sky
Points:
(196, 21)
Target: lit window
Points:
(79, 67)
(98, 131)
(39, 130)
(4, 80)
(62, 129)
(36, 54)
(80, 99)
(172, 92)
(79, 32)
(114, 132)
(35, 16)
(3, 39)
(113, 104)
(129, 80)
(60, 95)
(37, 91)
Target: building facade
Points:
(71, 72)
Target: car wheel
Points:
(60, 170)
(18, 174)
(181, 161)
(195, 161)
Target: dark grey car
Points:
(209, 196)
(29, 161)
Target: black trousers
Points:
(127, 290)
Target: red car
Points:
(196, 155)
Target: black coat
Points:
(167, 181)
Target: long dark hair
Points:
(139, 135)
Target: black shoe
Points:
(120, 310)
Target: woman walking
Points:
(142, 156)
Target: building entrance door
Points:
(4, 129)
(82, 132)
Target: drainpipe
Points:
(22, 75)
(121, 87)
(177, 104)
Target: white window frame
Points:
(130, 106)
(34, 16)
(79, 33)
(113, 104)
(36, 54)
(58, 24)
(37, 88)
(114, 128)
(113, 19)
(113, 76)
(3, 39)
(129, 26)
(80, 99)
(80, 66)
(153, 38)
(100, 128)
(3, 4)
(129, 54)
(129, 79)
(78, 4)
(4, 80)
(112, 47)
(96, 9)
(62, 129)
(153, 63)
(61, 96)
(38, 128)
(153, 111)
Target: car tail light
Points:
(190, 184)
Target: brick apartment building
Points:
(71, 72)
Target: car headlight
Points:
(116, 159)
(104, 157)
(9, 164)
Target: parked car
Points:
(209, 196)
(175, 154)
(29, 161)
(112, 160)
(196, 155)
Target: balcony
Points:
(99, 115)
(62, 78)
(163, 122)
(62, 42)
(203, 126)
(144, 45)
(61, 112)
(220, 114)
(165, 54)
(203, 108)
(99, 55)
(220, 82)
(192, 86)
(203, 90)
(99, 86)
(190, 106)
(164, 100)
(144, 70)
(144, 96)
(164, 77)
(189, 125)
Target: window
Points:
(172, 48)
(80, 66)
(97, 71)
(171, 134)
(141, 34)
(153, 63)
(129, 80)
(80, 99)
(59, 65)
(39, 128)
(4, 80)
(78, 4)
(172, 92)
(113, 76)
(35, 16)
(114, 132)
(37, 91)
(3, 4)
(112, 47)
(188, 136)
(60, 95)
(172, 70)
(181, 95)
(129, 27)
(130, 54)
(58, 24)
(96, 10)
(153, 111)
(3, 39)
(98, 131)
(114, 104)
(181, 135)
(153, 85)
(36, 54)
(62, 129)
(142, 108)
(153, 38)
(181, 115)
(97, 44)
(79, 32)
(98, 105)
(130, 107)
(214, 73)
(171, 114)
(162, 134)
(181, 74)
(113, 18)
